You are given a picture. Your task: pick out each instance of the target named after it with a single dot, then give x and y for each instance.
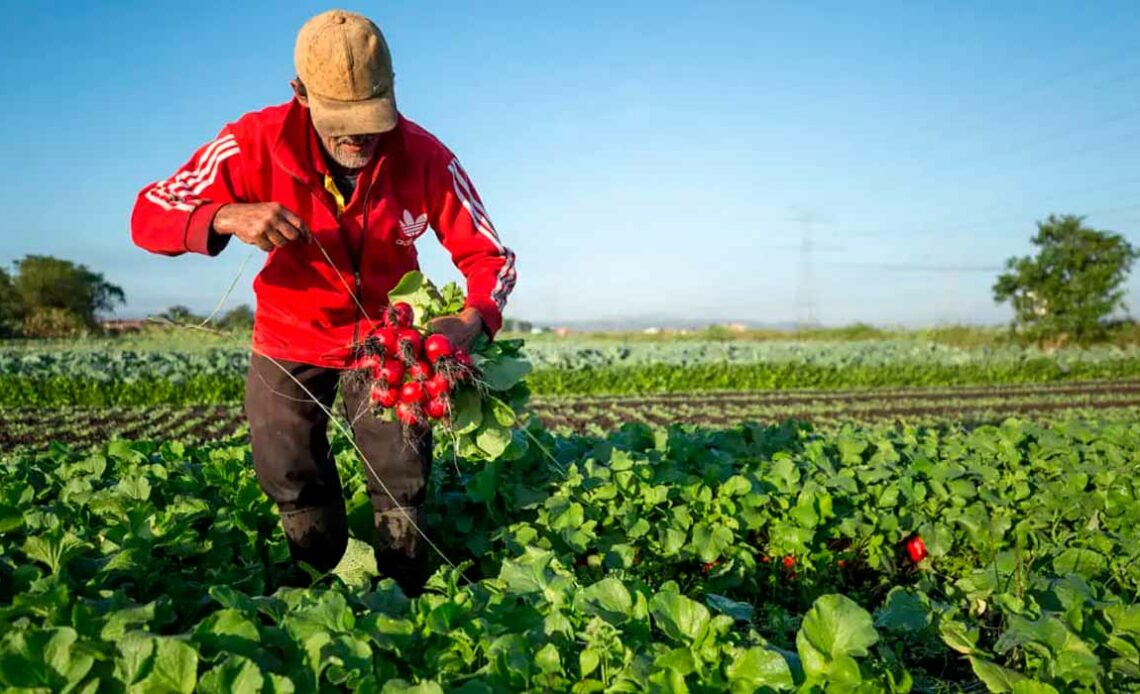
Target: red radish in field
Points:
(711, 565)
(392, 372)
(412, 393)
(438, 385)
(437, 408)
(409, 414)
(764, 559)
(789, 561)
(438, 346)
(383, 395)
(420, 371)
(916, 548)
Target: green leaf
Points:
(119, 621)
(504, 372)
(55, 550)
(1083, 562)
(42, 658)
(711, 541)
(758, 667)
(682, 619)
(467, 411)
(493, 439)
(904, 611)
(228, 631)
(357, 567)
(175, 668)
(403, 687)
(548, 660)
(995, 677)
(235, 675)
(1031, 687)
(608, 599)
(740, 611)
(834, 632)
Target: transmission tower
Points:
(805, 286)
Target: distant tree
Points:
(43, 282)
(11, 307)
(181, 314)
(237, 318)
(1067, 290)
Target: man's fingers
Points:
(295, 222)
(286, 230)
(275, 237)
(264, 244)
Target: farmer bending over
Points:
(337, 169)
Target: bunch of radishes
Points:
(411, 373)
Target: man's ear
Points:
(299, 91)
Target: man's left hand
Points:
(462, 328)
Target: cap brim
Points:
(337, 118)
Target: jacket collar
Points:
(298, 151)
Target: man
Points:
(336, 186)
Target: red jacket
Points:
(305, 309)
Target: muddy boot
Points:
(400, 550)
(317, 535)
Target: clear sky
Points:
(642, 158)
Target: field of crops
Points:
(971, 524)
(69, 377)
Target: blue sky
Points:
(650, 159)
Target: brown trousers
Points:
(295, 467)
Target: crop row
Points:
(36, 428)
(214, 387)
(762, 557)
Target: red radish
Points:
(842, 563)
(765, 559)
(916, 548)
(384, 340)
(392, 372)
(405, 316)
(410, 342)
(368, 362)
(419, 371)
(464, 359)
(437, 408)
(709, 566)
(789, 561)
(412, 393)
(438, 385)
(409, 414)
(438, 346)
(383, 395)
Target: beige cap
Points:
(344, 63)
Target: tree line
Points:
(48, 297)
(1070, 291)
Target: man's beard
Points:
(348, 158)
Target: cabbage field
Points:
(704, 517)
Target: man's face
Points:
(351, 151)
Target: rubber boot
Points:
(400, 550)
(317, 536)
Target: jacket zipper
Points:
(358, 281)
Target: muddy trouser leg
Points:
(402, 459)
(292, 459)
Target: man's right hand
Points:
(267, 225)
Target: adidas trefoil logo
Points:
(411, 227)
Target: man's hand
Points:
(461, 329)
(267, 225)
